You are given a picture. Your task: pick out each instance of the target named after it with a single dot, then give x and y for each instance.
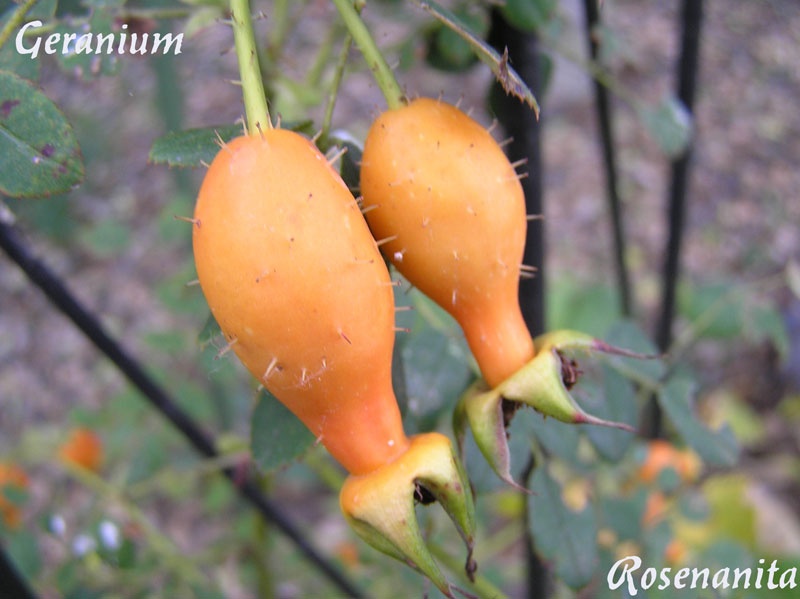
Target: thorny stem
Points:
(377, 63)
(255, 101)
(15, 21)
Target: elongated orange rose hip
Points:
(295, 280)
(452, 210)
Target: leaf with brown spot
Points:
(39, 153)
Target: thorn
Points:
(219, 141)
(392, 283)
(385, 240)
(333, 159)
(530, 217)
(528, 268)
(505, 142)
(459, 101)
(402, 330)
(369, 208)
(303, 377)
(316, 136)
(235, 82)
(519, 162)
(260, 131)
(493, 126)
(193, 283)
(345, 337)
(226, 349)
(273, 363)
(205, 164)
(403, 308)
(453, 297)
(187, 219)
(521, 176)
(260, 277)
(524, 274)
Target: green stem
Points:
(15, 21)
(255, 101)
(335, 84)
(482, 586)
(377, 63)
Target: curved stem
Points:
(377, 63)
(15, 21)
(335, 84)
(255, 101)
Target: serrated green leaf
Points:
(558, 438)
(23, 548)
(11, 60)
(712, 309)
(88, 64)
(624, 515)
(436, 374)
(616, 402)
(201, 19)
(499, 64)
(277, 437)
(766, 323)
(629, 335)
(589, 309)
(447, 50)
(210, 331)
(564, 537)
(39, 154)
(528, 15)
(717, 447)
(670, 124)
(193, 147)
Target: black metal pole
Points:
(688, 66)
(519, 121)
(603, 109)
(60, 296)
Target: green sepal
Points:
(379, 506)
(543, 384)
